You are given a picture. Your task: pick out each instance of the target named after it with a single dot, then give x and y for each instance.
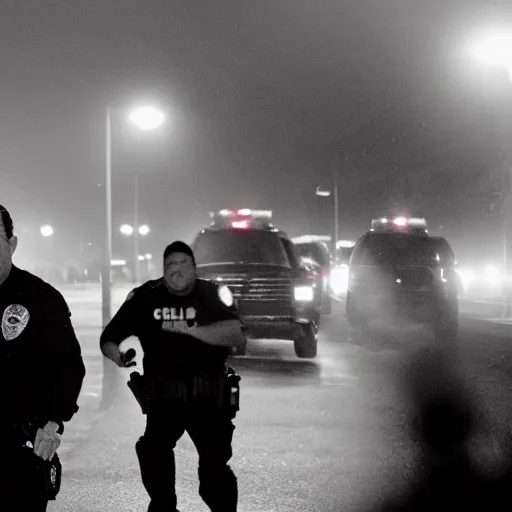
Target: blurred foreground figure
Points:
(41, 374)
(446, 426)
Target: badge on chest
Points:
(14, 321)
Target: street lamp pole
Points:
(336, 220)
(106, 270)
(507, 213)
(136, 230)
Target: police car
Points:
(401, 275)
(315, 255)
(274, 293)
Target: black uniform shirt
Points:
(41, 366)
(150, 310)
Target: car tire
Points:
(358, 325)
(317, 317)
(305, 344)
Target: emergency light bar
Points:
(400, 224)
(307, 239)
(243, 212)
(243, 218)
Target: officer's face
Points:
(179, 272)
(7, 248)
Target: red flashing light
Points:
(240, 224)
(400, 221)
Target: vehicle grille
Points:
(416, 277)
(259, 288)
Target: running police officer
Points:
(187, 328)
(41, 374)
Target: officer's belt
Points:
(190, 388)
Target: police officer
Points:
(187, 327)
(41, 374)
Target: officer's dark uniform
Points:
(41, 374)
(188, 377)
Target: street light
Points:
(129, 230)
(144, 118)
(144, 230)
(46, 230)
(147, 118)
(126, 229)
(495, 49)
(327, 193)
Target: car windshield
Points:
(240, 246)
(401, 249)
(344, 254)
(314, 252)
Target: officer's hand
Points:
(47, 441)
(126, 358)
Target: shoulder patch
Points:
(225, 295)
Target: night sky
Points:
(264, 100)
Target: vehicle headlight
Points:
(339, 279)
(303, 293)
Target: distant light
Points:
(147, 118)
(345, 243)
(47, 230)
(492, 273)
(141, 258)
(126, 229)
(144, 230)
(322, 193)
(148, 256)
(384, 220)
(117, 263)
(495, 49)
(89, 244)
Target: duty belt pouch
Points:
(140, 388)
(232, 392)
(47, 474)
(52, 474)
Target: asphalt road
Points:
(325, 435)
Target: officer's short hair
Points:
(7, 222)
(179, 246)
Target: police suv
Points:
(401, 275)
(315, 255)
(274, 293)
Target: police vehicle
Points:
(274, 293)
(315, 254)
(401, 275)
